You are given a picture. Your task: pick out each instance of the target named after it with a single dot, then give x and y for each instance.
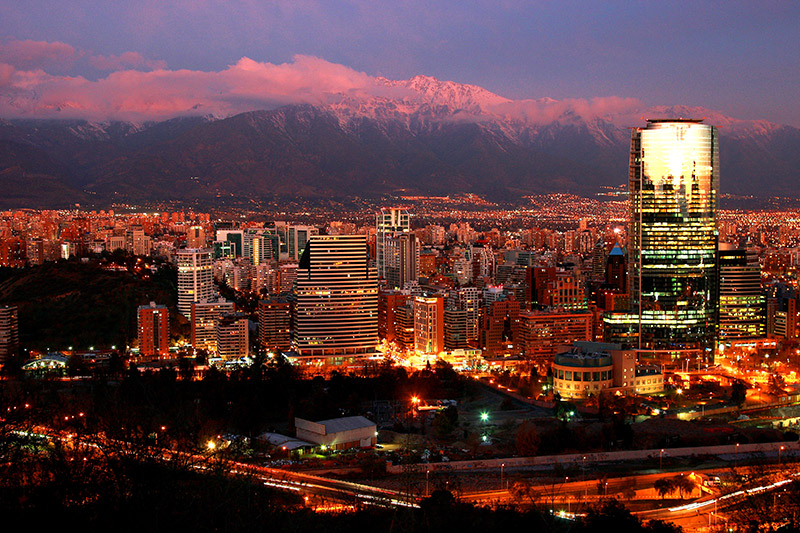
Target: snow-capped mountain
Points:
(420, 134)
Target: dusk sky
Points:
(740, 58)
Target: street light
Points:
(736, 457)
(484, 416)
(779, 455)
(661, 459)
(583, 467)
(502, 468)
(427, 473)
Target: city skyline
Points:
(319, 266)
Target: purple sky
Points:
(739, 58)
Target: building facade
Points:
(274, 324)
(389, 222)
(336, 295)
(195, 278)
(233, 336)
(9, 332)
(205, 316)
(153, 327)
(673, 190)
(742, 306)
(429, 324)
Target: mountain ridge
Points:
(421, 135)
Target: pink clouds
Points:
(547, 110)
(126, 60)
(37, 54)
(142, 89)
(161, 94)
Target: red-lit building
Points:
(500, 326)
(153, 330)
(388, 302)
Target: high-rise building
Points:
(336, 295)
(672, 247)
(400, 259)
(429, 324)
(195, 278)
(274, 324)
(389, 222)
(9, 332)
(153, 330)
(500, 326)
(617, 270)
(196, 237)
(233, 339)
(542, 332)
(205, 316)
(466, 301)
(388, 302)
(404, 325)
(296, 239)
(742, 306)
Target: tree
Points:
(738, 392)
(527, 439)
(683, 484)
(664, 486)
(445, 421)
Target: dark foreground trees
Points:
(51, 484)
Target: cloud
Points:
(142, 89)
(37, 54)
(547, 110)
(127, 60)
(161, 94)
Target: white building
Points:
(338, 433)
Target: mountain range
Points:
(423, 136)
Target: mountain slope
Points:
(424, 136)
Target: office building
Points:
(429, 324)
(336, 295)
(541, 333)
(205, 316)
(672, 247)
(153, 327)
(389, 223)
(404, 325)
(9, 332)
(195, 278)
(296, 239)
(233, 341)
(274, 324)
(196, 237)
(401, 259)
(742, 306)
(388, 302)
(591, 368)
(500, 322)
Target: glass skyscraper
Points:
(672, 251)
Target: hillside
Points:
(82, 305)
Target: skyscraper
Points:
(389, 222)
(274, 324)
(673, 188)
(9, 332)
(336, 295)
(153, 325)
(205, 317)
(400, 259)
(195, 281)
(429, 324)
(742, 306)
(233, 336)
